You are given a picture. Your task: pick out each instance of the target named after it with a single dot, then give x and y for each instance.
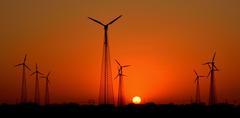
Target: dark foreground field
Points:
(150, 109)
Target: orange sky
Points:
(163, 41)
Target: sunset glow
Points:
(162, 40)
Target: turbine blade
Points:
(40, 73)
(27, 67)
(42, 76)
(215, 67)
(48, 74)
(36, 66)
(209, 74)
(96, 21)
(213, 56)
(195, 72)
(33, 73)
(116, 76)
(114, 20)
(25, 58)
(126, 66)
(46, 77)
(117, 62)
(196, 80)
(206, 63)
(18, 65)
(209, 66)
(124, 75)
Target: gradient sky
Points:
(163, 40)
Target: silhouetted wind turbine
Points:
(198, 97)
(106, 89)
(37, 93)
(47, 88)
(121, 97)
(213, 68)
(24, 83)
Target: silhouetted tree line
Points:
(149, 109)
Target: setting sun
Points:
(136, 100)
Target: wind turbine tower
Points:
(24, 83)
(198, 97)
(37, 93)
(121, 97)
(106, 88)
(47, 88)
(213, 68)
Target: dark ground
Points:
(149, 109)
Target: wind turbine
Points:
(37, 93)
(121, 98)
(106, 88)
(47, 88)
(198, 97)
(24, 83)
(213, 68)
